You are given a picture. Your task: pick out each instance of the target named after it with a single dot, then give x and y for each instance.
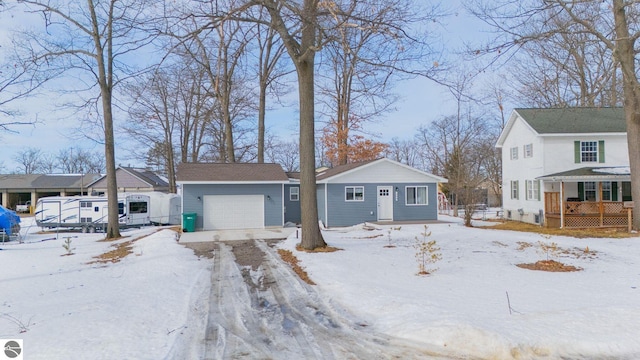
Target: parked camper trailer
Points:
(165, 209)
(90, 213)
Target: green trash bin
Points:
(189, 222)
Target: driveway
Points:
(275, 233)
(259, 309)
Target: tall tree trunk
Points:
(105, 81)
(311, 235)
(261, 115)
(626, 55)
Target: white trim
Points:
(354, 193)
(416, 186)
(230, 182)
(582, 134)
(297, 194)
(326, 206)
(378, 197)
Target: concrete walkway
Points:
(243, 234)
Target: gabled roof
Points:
(591, 174)
(236, 172)
(341, 170)
(576, 120)
(147, 176)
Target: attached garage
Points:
(233, 212)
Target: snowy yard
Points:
(154, 303)
(462, 308)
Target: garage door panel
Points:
(233, 212)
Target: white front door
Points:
(385, 203)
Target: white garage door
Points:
(233, 212)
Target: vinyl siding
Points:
(273, 211)
(347, 213)
(292, 208)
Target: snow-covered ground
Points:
(463, 307)
(154, 303)
(65, 307)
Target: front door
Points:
(385, 203)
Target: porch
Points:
(573, 213)
(589, 197)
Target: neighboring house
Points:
(235, 196)
(566, 167)
(18, 189)
(131, 180)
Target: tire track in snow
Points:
(267, 312)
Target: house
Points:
(378, 190)
(237, 196)
(566, 167)
(131, 180)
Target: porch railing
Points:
(583, 214)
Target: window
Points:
(137, 207)
(514, 189)
(354, 193)
(120, 208)
(514, 153)
(533, 190)
(590, 191)
(294, 193)
(85, 204)
(86, 220)
(416, 195)
(606, 191)
(589, 151)
(528, 150)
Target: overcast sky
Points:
(420, 101)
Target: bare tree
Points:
(406, 152)
(156, 111)
(30, 160)
(74, 160)
(284, 153)
(88, 39)
(371, 50)
(613, 26)
(270, 71)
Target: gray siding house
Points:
(246, 196)
(376, 191)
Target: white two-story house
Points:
(566, 167)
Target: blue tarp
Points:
(8, 219)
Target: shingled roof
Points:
(46, 181)
(585, 120)
(236, 172)
(341, 169)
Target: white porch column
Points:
(561, 204)
(5, 198)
